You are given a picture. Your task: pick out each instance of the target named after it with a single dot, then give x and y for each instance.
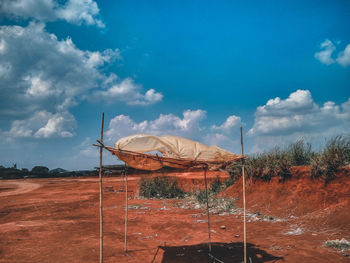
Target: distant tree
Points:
(40, 170)
(25, 170)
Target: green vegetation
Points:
(300, 153)
(278, 162)
(335, 155)
(275, 162)
(160, 187)
(215, 187)
(38, 172)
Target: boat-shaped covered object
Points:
(148, 152)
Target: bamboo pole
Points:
(100, 184)
(126, 212)
(206, 196)
(244, 204)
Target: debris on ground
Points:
(341, 244)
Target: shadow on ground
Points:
(221, 252)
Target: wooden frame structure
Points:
(158, 161)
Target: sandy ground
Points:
(56, 220)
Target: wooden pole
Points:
(126, 212)
(101, 203)
(244, 205)
(206, 196)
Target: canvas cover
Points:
(174, 147)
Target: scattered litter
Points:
(201, 221)
(196, 215)
(137, 206)
(258, 216)
(341, 244)
(186, 238)
(276, 248)
(223, 227)
(180, 255)
(146, 237)
(109, 188)
(297, 231)
(236, 235)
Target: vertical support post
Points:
(244, 204)
(126, 212)
(206, 196)
(100, 184)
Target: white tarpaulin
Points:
(174, 147)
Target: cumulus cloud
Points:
(233, 122)
(299, 116)
(73, 11)
(344, 57)
(39, 72)
(43, 124)
(325, 54)
(128, 91)
(187, 126)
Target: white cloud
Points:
(325, 55)
(128, 91)
(327, 49)
(344, 57)
(187, 126)
(232, 123)
(39, 73)
(284, 120)
(73, 11)
(43, 124)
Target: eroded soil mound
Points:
(194, 180)
(323, 205)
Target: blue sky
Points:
(196, 69)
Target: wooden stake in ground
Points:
(244, 218)
(101, 203)
(206, 196)
(126, 212)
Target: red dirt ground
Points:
(56, 220)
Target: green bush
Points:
(275, 162)
(300, 153)
(200, 196)
(335, 155)
(160, 187)
(216, 186)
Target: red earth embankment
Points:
(320, 204)
(194, 180)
